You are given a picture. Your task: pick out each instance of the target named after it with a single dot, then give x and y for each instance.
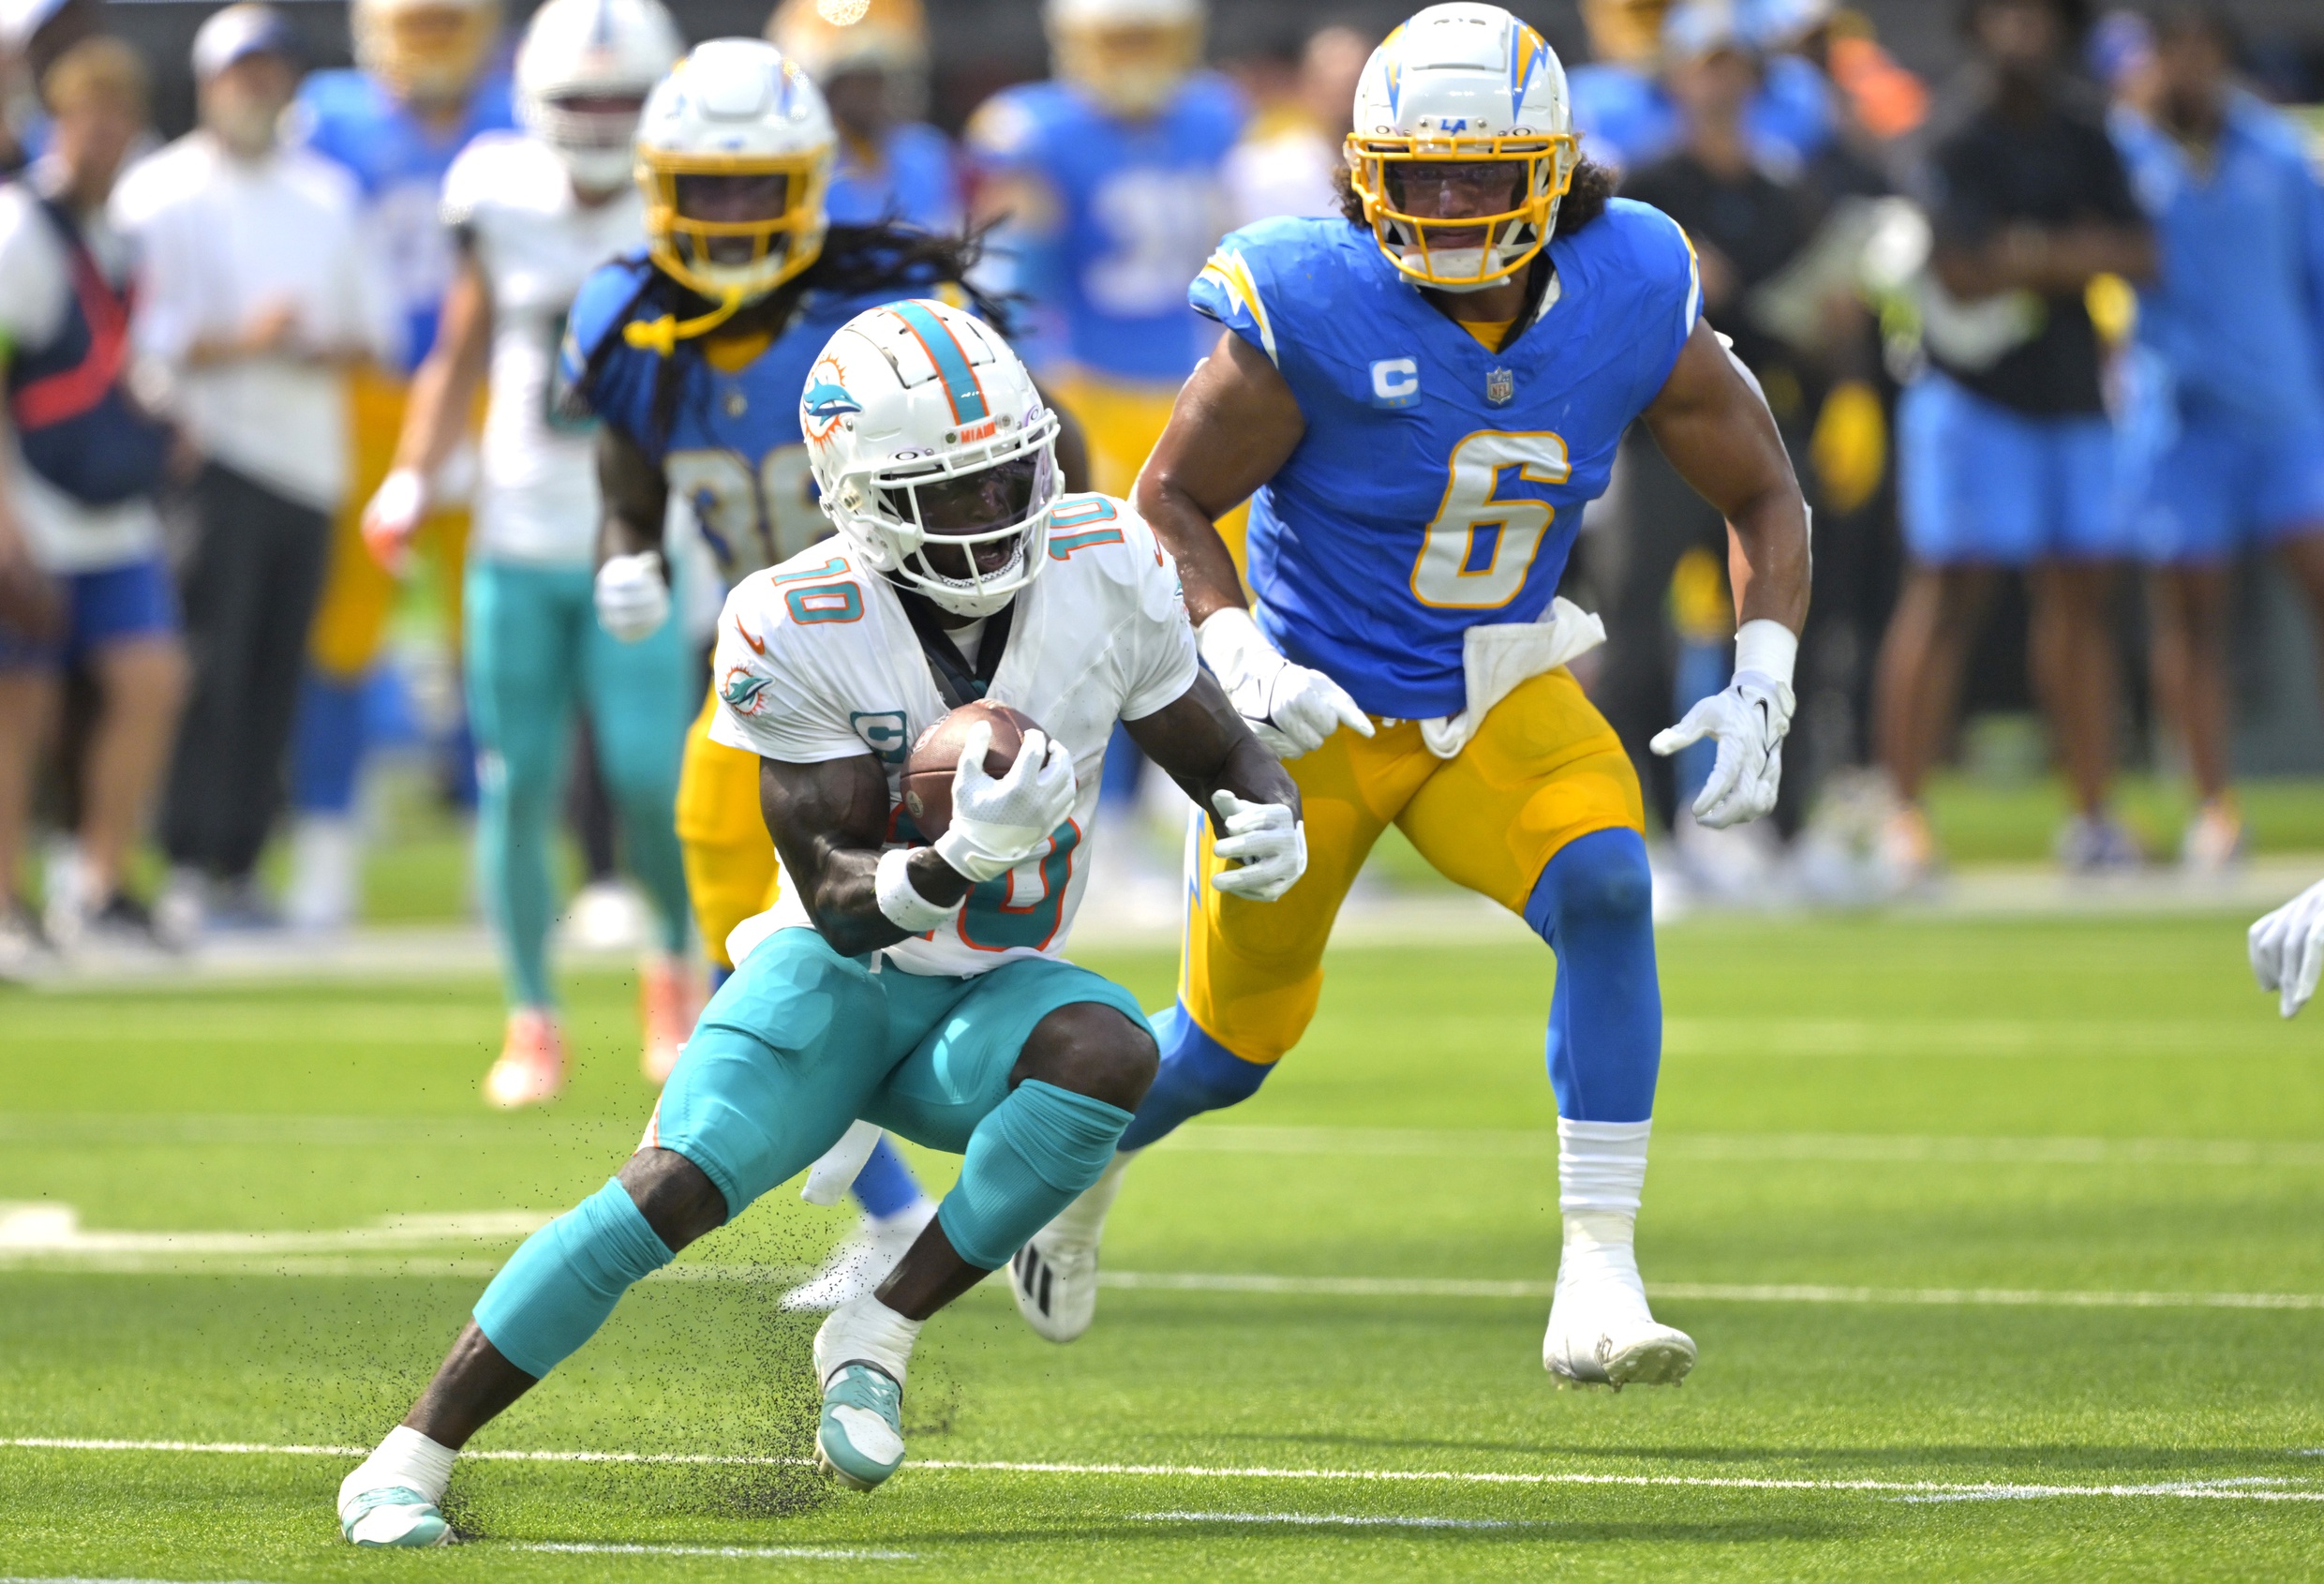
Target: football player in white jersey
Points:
(916, 987)
(534, 213)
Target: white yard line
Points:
(1348, 1520)
(2256, 1488)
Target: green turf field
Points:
(1971, 1220)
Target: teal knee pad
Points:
(559, 1289)
(1032, 1156)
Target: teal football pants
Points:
(798, 1044)
(534, 652)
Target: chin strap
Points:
(662, 335)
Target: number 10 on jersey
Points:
(1480, 547)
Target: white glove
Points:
(393, 516)
(1749, 721)
(2287, 949)
(1289, 708)
(633, 596)
(1269, 848)
(997, 825)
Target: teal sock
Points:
(1032, 1156)
(558, 1288)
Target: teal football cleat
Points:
(860, 1440)
(394, 1515)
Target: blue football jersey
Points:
(398, 163)
(734, 452)
(910, 177)
(1438, 486)
(1140, 205)
(1628, 119)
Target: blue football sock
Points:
(558, 1288)
(327, 743)
(1032, 1156)
(1595, 906)
(1197, 1074)
(886, 1185)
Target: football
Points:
(927, 774)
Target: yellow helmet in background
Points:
(1625, 32)
(429, 51)
(1129, 55)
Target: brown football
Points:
(927, 774)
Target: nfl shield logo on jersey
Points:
(1499, 386)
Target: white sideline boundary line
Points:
(2257, 1487)
(1346, 1521)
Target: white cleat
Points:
(390, 1515)
(1053, 1278)
(1601, 1331)
(858, 1266)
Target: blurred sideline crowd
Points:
(2058, 320)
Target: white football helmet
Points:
(1462, 85)
(426, 50)
(583, 73)
(734, 119)
(1129, 55)
(934, 453)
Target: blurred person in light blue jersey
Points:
(2006, 451)
(874, 73)
(429, 79)
(1626, 114)
(2232, 407)
(1109, 178)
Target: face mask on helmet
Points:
(969, 537)
(591, 133)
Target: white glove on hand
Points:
(393, 516)
(997, 825)
(1749, 721)
(633, 596)
(1269, 847)
(1289, 708)
(2287, 949)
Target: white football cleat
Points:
(1601, 1331)
(858, 1266)
(390, 1515)
(1053, 1278)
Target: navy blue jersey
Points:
(1438, 486)
(734, 452)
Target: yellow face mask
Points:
(730, 227)
(1434, 207)
(1133, 71)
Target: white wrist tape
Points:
(900, 903)
(1768, 647)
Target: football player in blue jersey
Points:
(1422, 395)
(873, 74)
(430, 79)
(1109, 179)
(1622, 108)
(692, 354)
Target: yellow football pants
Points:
(358, 593)
(730, 860)
(1120, 422)
(1544, 771)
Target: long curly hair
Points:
(1584, 200)
(856, 261)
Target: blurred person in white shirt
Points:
(1285, 164)
(82, 582)
(254, 292)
